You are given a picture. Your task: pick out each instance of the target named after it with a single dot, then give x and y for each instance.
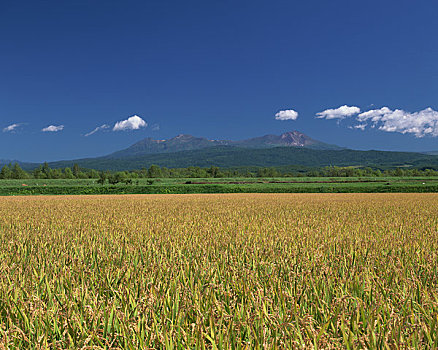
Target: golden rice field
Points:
(219, 271)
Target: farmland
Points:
(219, 271)
(222, 185)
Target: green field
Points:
(223, 185)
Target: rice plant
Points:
(267, 271)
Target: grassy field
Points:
(219, 271)
(223, 185)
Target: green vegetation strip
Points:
(224, 188)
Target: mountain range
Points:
(185, 142)
(288, 149)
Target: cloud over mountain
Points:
(421, 123)
(11, 128)
(53, 128)
(288, 114)
(373, 114)
(132, 123)
(338, 113)
(102, 127)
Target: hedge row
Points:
(207, 188)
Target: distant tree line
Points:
(14, 171)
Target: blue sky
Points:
(219, 69)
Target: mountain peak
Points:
(292, 133)
(296, 138)
(182, 137)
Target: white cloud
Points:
(288, 114)
(155, 127)
(374, 114)
(360, 126)
(420, 123)
(11, 128)
(53, 128)
(132, 123)
(338, 113)
(102, 127)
